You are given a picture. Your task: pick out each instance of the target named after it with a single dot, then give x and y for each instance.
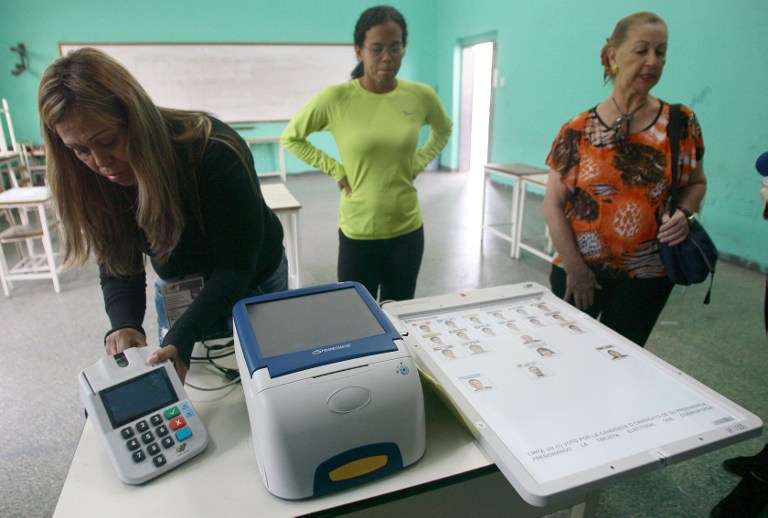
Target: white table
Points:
(547, 251)
(514, 172)
(454, 475)
(30, 265)
(286, 206)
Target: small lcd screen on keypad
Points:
(138, 396)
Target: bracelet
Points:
(688, 214)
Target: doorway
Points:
(477, 73)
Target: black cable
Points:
(232, 375)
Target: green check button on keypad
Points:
(172, 412)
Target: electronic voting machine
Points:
(333, 396)
(142, 415)
(562, 404)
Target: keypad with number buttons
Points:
(147, 433)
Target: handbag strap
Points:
(673, 133)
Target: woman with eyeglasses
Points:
(609, 185)
(375, 120)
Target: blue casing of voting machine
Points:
(333, 395)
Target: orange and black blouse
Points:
(617, 194)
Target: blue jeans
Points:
(278, 281)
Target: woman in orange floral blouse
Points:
(609, 184)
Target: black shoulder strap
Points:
(673, 133)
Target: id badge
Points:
(178, 295)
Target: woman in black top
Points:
(129, 179)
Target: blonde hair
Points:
(619, 36)
(163, 147)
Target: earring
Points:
(614, 69)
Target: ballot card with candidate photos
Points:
(474, 319)
(612, 352)
(437, 340)
(521, 311)
(559, 318)
(535, 370)
(476, 382)
(511, 326)
(536, 321)
(461, 335)
(475, 347)
(497, 315)
(571, 358)
(574, 328)
(451, 353)
(450, 324)
(542, 306)
(424, 327)
(486, 331)
(546, 351)
(529, 339)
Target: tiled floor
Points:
(47, 338)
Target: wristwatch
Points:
(688, 214)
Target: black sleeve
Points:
(245, 240)
(125, 299)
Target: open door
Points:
(477, 85)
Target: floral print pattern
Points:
(616, 198)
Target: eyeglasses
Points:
(394, 51)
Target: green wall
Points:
(42, 24)
(547, 55)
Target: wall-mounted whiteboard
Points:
(236, 82)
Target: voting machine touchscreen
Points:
(142, 414)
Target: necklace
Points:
(626, 116)
(621, 136)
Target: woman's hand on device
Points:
(170, 352)
(123, 339)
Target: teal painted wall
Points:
(547, 56)
(42, 24)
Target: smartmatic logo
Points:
(331, 349)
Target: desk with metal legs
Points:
(547, 251)
(513, 172)
(279, 199)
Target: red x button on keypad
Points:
(177, 422)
